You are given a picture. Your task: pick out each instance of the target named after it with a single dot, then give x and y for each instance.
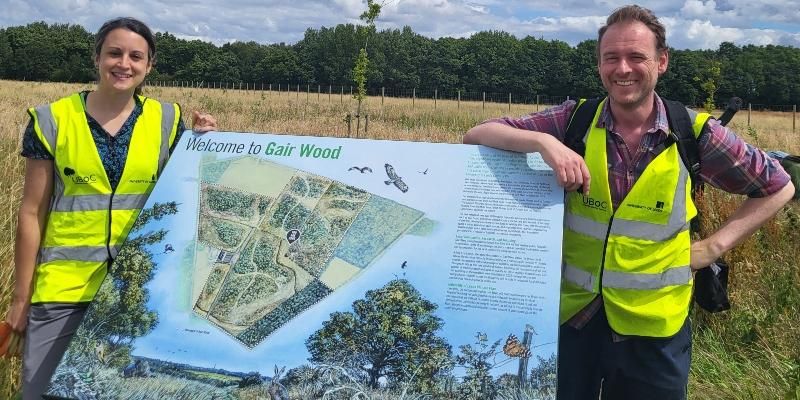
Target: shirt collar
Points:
(661, 123)
(138, 101)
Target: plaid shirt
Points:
(726, 161)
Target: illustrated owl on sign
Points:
(395, 179)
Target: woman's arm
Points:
(31, 221)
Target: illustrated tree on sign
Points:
(119, 312)
(543, 376)
(391, 334)
(478, 360)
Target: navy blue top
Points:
(113, 150)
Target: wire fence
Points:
(346, 91)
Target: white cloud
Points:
(690, 23)
(698, 9)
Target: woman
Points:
(92, 159)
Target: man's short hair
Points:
(636, 13)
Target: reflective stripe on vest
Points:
(84, 253)
(637, 256)
(93, 202)
(88, 221)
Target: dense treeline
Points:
(491, 61)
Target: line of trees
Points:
(491, 61)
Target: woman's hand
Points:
(12, 335)
(203, 122)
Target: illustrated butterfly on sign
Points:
(513, 348)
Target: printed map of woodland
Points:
(281, 241)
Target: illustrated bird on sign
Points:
(168, 248)
(360, 169)
(395, 179)
(424, 172)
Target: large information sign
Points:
(267, 266)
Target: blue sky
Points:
(692, 24)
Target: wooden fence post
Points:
(483, 104)
(383, 94)
(319, 90)
(435, 97)
(366, 124)
(459, 99)
(509, 101)
(794, 117)
(749, 111)
(413, 96)
(341, 100)
(537, 103)
(522, 372)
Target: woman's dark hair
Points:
(133, 25)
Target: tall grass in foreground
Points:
(749, 352)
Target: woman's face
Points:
(123, 61)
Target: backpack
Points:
(791, 164)
(711, 283)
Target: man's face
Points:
(629, 63)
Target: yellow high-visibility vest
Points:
(88, 221)
(637, 256)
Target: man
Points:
(628, 259)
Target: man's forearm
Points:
(750, 215)
(505, 137)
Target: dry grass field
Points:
(749, 352)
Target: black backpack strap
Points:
(579, 122)
(682, 133)
(681, 126)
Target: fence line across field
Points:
(331, 91)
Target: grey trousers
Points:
(50, 328)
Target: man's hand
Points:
(203, 122)
(703, 255)
(569, 167)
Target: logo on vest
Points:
(659, 208)
(146, 181)
(78, 179)
(596, 204)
